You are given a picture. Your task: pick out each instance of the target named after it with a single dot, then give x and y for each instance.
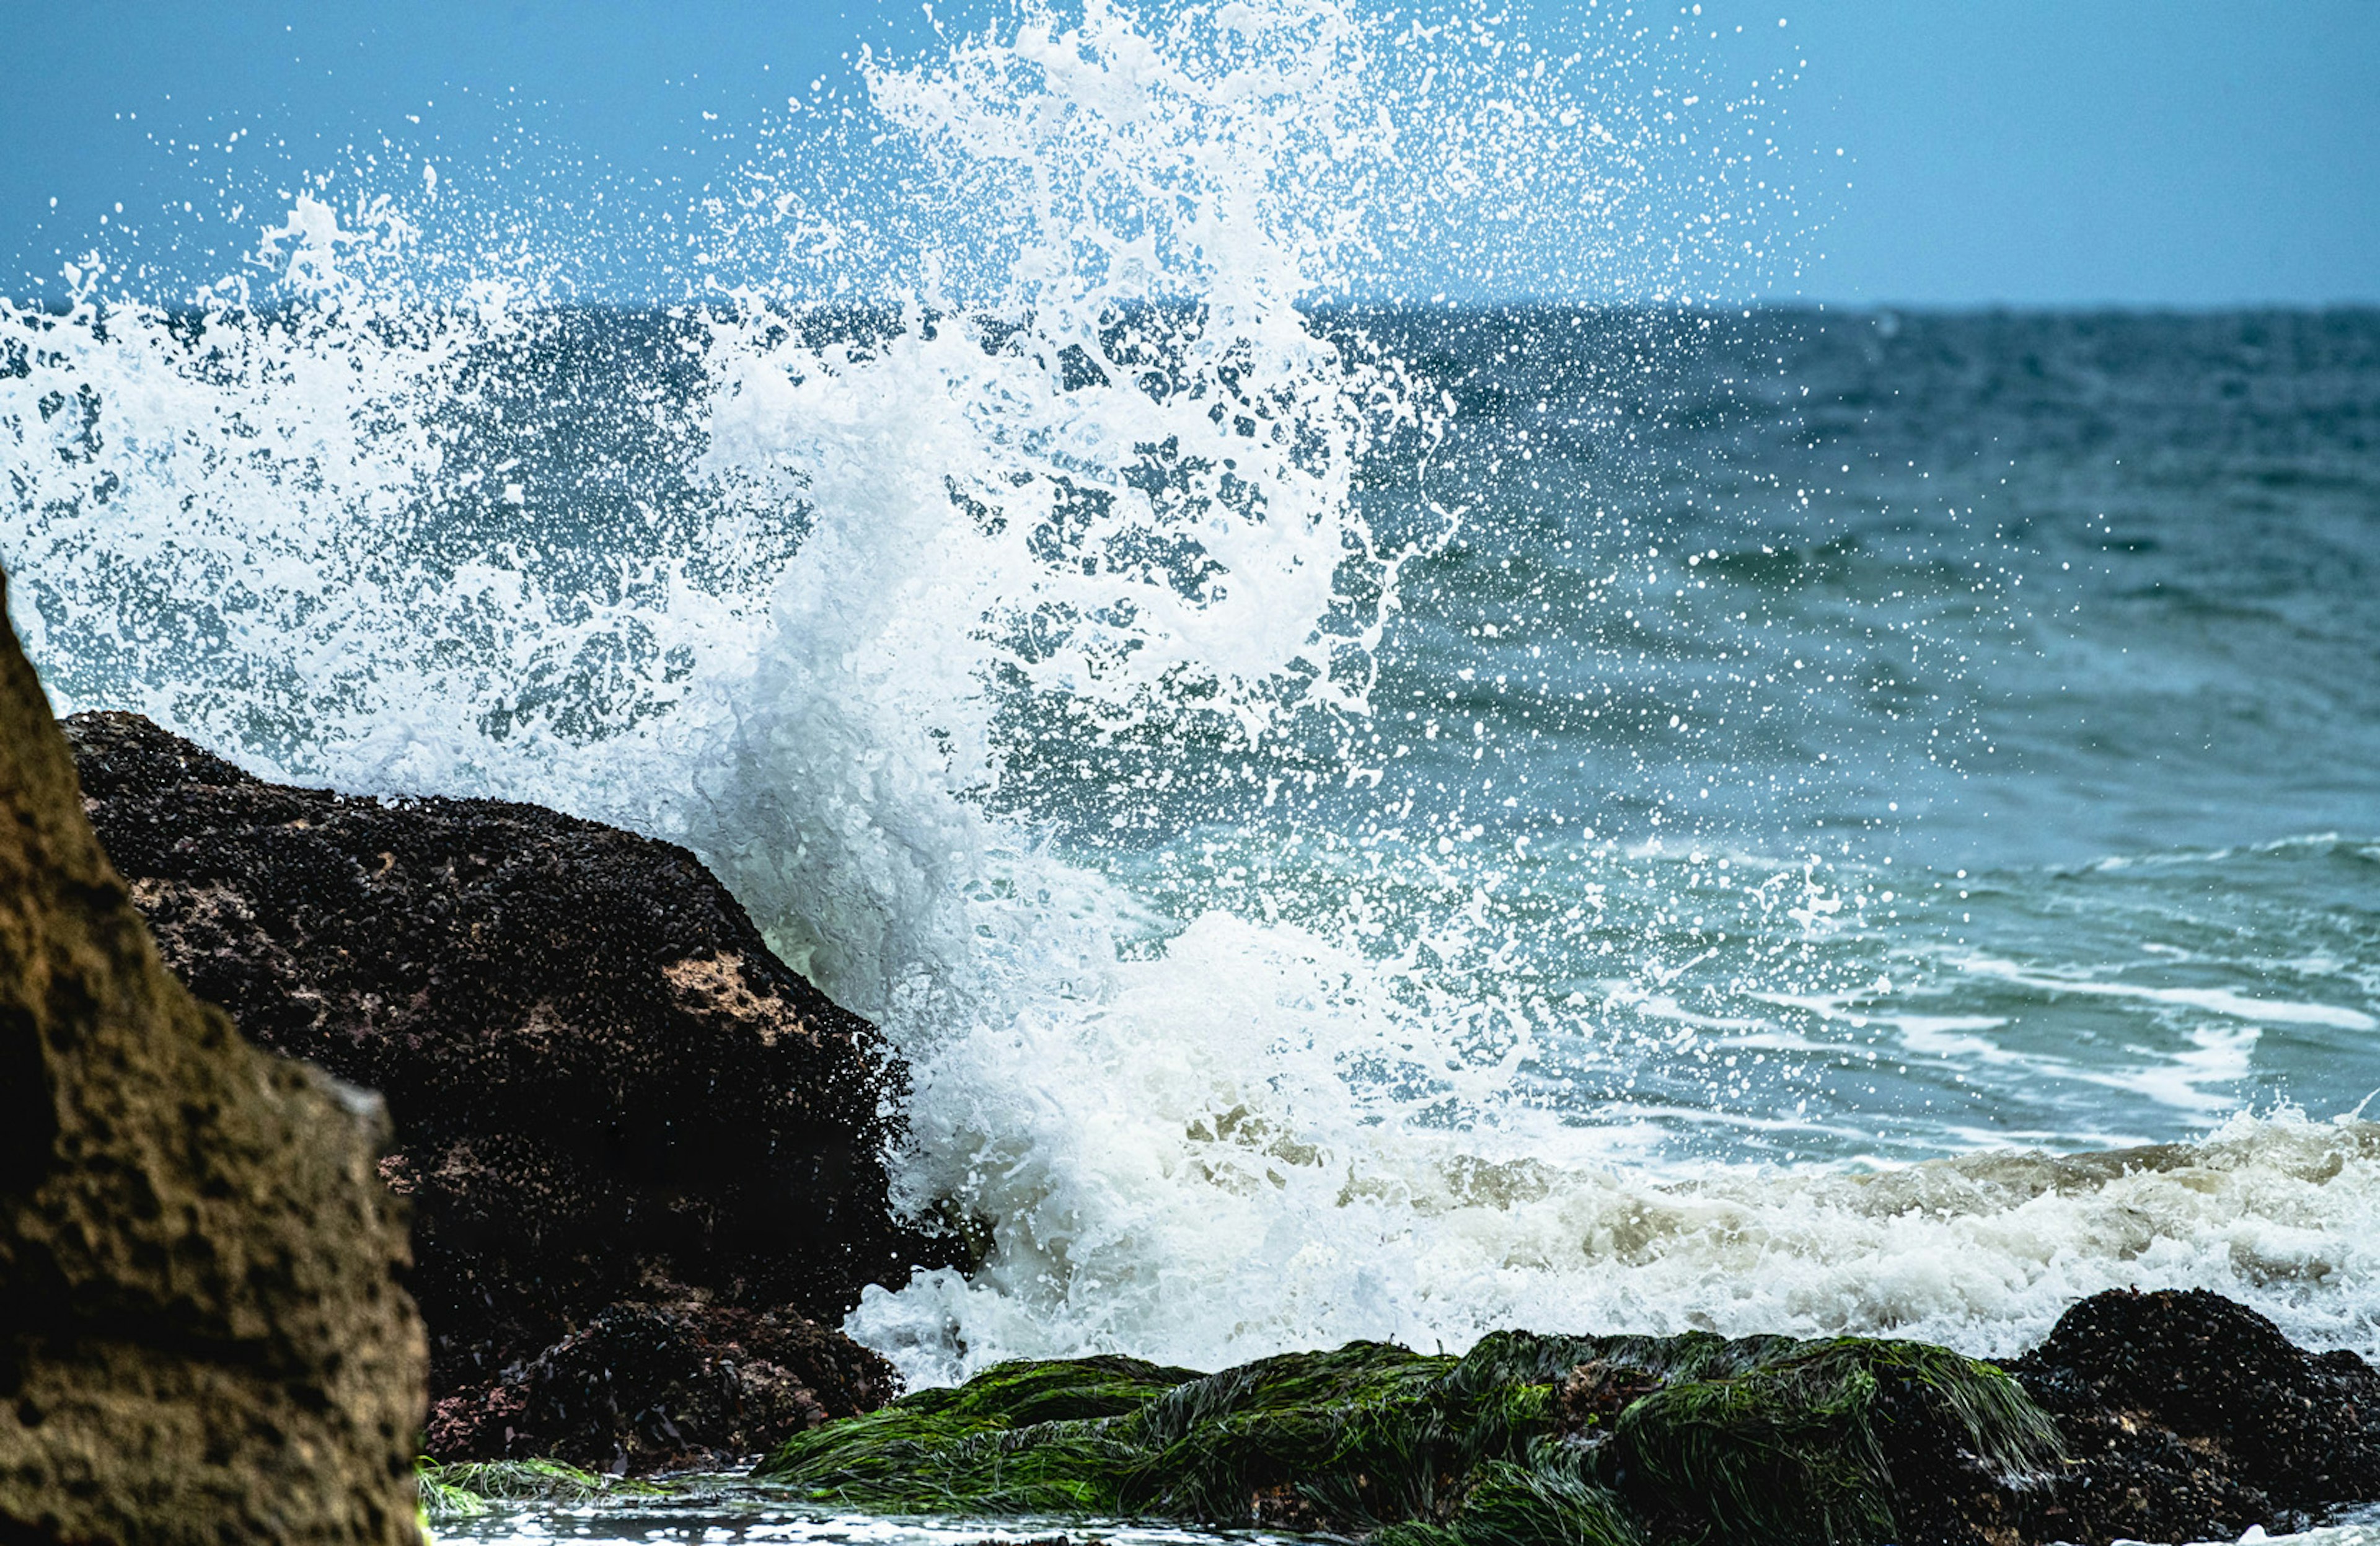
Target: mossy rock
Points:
(1824, 1441)
(1019, 1438)
(1526, 1440)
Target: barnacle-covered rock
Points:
(608, 1093)
(2191, 1418)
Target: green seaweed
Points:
(1550, 1497)
(1120, 1437)
(465, 1490)
(1792, 1446)
(1022, 1438)
(1358, 1435)
(1415, 1532)
(442, 1499)
(1502, 1358)
(1692, 1437)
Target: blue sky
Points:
(2184, 152)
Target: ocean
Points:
(1364, 819)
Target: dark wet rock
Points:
(2190, 1417)
(607, 1090)
(201, 1334)
(648, 1387)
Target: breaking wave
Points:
(999, 570)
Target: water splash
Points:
(1029, 479)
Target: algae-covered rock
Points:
(1020, 1438)
(1757, 1440)
(202, 1336)
(1842, 1440)
(452, 1492)
(613, 1102)
(2159, 1416)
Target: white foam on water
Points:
(1436, 1238)
(1098, 460)
(618, 1526)
(2213, 1001)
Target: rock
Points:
(648, 1387)
(607, 1090)
(1519, 1441)
(2191, 1418)
(2159, 1416)
(201, 1335)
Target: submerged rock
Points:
(201, 1335)
(2158, 1416)
(612, 1100)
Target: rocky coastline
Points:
(2165, 1416)
(644, 1165)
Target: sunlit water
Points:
(1364, 819)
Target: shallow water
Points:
(727, 1519)
(724, 1519)
(1380, 821)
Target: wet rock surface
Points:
(202, 1337)
(2191, 1417)
(613, 1102)
(2160, 1417)
(683, 1385)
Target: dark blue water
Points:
(2049, 640)
(1385, 822)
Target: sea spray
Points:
(1352, 840)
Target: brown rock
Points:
(607, 1090)
(201, 1338)
(1596, 1392)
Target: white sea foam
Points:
(2213, 1001)
(761, 1520)
(1220, 1248)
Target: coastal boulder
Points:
(201, 1334)
(2191, 1418)
(1524, 1441)
(610, 1096)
